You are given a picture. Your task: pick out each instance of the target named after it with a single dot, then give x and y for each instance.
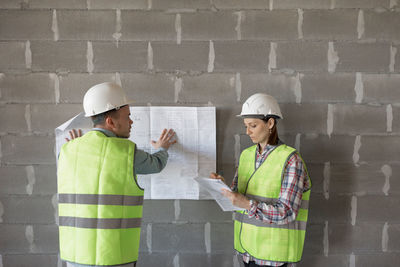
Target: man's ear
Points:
(110, 122)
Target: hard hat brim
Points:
(129, 102)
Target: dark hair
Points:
(273, 137)
(100, 119)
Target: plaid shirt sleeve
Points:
(285, 210)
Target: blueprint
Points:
(192, 156)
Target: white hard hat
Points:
(261, 105)
(103, 97)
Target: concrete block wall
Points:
(334, 66)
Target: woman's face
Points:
(257, 130)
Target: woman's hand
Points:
(214, 175)
(237, 199)
(74, 134)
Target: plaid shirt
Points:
(285, 210)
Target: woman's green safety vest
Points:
(265, 241)
(100, 202)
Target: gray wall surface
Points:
(333, 65)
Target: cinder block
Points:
(13, 180)
(270, 25)
(180, 4)
(143, 239)
(322, 260)
(328, 88)
(200, 260)
(321, 209)
(361, 238)
(45, 180)
(350, 179)
(362, 4)
(396, 119)
(281, 86)
(241, 4)
(29, 260)
(13, 239)
(227, 123)
(209, 26)
(381, 88)
(218, 89)
(241, 56)
(330, 24)
(26, 25)
(121, 57)
(378, 209)
(394, 235)
(382, 26)
(117, 4)
(302, 56)
(148, 26)
(225, 149)
(144, 88)
(46, 238)
(58, 4)
(47, 117)
(394, 181)
(303, 118)
(59, 56)
(321, 148)
(10, 4)
(303, 4)
(222, 237)
(358, 119)
(156, 259)
(227, 170)
(24, 209)
(203, 211)
(397, 59)
(178, 238)
(12, 117)
(316, 173)
(73, 86)
(314, 239)
(382, 148)
(362, 57)
(158, 211)
(187, 56)
(12, 56)
(86, 25)
(27, 88)
(378, 258)
(25, 149)
(288, 138)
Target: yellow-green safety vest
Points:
(100, 202)
(268, 241)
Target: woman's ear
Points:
(271, 123)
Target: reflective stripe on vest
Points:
(265, 241)
(100, 203)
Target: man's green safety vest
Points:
(100, 202)
(265, 241)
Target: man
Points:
(100, 201)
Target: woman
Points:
(273, 186)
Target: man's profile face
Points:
(123, 122)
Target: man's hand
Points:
(214, 175)
(165, 140)
(237, 199)
(74, 134)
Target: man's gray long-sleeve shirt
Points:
(144, 163)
